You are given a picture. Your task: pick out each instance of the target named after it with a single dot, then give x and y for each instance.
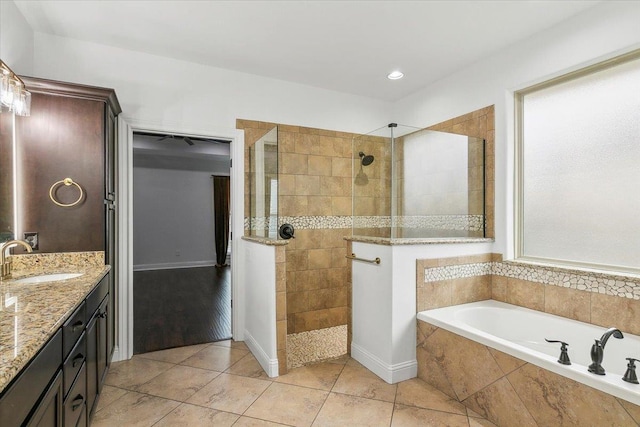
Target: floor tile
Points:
(178, 383)
(191, 415)
(341, 410)
(108, 395)
(215, 358)
(230, 393)
(480, 422)
(174, 355)
(288, 404)
(253, 422)
(416, 392)
(321, 376)
(408, 416)
(134, 410)
(359, 381)
(238, 345)
(134, 372)
(248, 366)
(342, 360)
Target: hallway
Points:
(179, 307)
(222, 384)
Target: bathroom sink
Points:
(48, 278)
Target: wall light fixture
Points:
(14, 96)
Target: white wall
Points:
(158, 89)
(600, 32)
(260, 300)
(172, 211)
(16, 39)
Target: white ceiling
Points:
(346, 46)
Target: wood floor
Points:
(180, 307)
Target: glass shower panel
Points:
(414, 183)
(263, 186)
(440, 185)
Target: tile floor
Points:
(222, 384)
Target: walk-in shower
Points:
(416, 183)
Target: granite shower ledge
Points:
(416, 241)
(265, 241)
(31, 313)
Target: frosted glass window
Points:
(580, 169)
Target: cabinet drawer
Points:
(73, 328)
(97, 295)
(74, 404)
(74, 362)
(24, 393)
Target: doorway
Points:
(181, 287)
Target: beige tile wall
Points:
(444, 293)
(590, 307)
(281, 308)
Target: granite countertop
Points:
(31, 313)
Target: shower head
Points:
(365, 160)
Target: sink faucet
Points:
(5, 262)
(597, 350)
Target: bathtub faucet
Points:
(597, 350)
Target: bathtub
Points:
(520, 332)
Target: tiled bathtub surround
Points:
(510, 392)
(597, 298)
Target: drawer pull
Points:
(78, 360)
(78, 325)
(77, 402)
(102, 315)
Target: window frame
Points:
(518, 212)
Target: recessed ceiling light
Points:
(395, 75)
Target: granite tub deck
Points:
(509, 391)
(31, 313)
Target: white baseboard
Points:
(117, 357)
(269, 365)
(390, 373)
(174, 265)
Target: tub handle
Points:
(630, 375)
(564, 356)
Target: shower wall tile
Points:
(314, 185)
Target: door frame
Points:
(124, 224)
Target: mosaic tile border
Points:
(313, 346)
(437, 222)
(602, 283)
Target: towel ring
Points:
(67, 182)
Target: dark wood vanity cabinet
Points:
(98, 351)
(61, 385)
